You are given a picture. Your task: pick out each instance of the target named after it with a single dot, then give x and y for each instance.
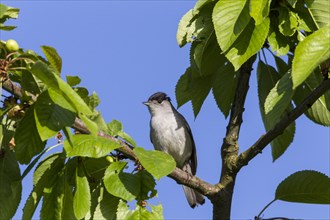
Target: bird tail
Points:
(194, 198)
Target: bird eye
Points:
(159, 101)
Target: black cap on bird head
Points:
(159, 97)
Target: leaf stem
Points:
(258, 217)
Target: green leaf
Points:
(45, 175)
(70, 169)
(182, 88)
(259, 10)
(213, 66)
(123, 185)
(27, 139)
(212, 59)
(201, 27)
(47, 166)
(248, 43)
(282, 142)
(281, 66)
(230, 19)
(287, 21)
(114, 127)
(213, 62)
(318, 112)
(36, 159)
(148, 184)
(139, 212)
(194, 88)
(127, 138)
(157, 211)
(181, 35)
(82, 196)
(59, 100)
(73, 80)
(278, 42)
(95, 167)
(200, 4)
(200, 88)
(89, 146)
(7, 12)
(10, 179)
(320, 10)
(82, 92)
(52, 56)
(139, 186)
(267, 78)
(123, 212)
(195, 24)
(203, 36)
(305, 21)
(93, 101)
(306, 186)
(309, 54)
(10, 202)
(101, 125)
(32, 202)
(90, 123)
(52, 204)
(29, 83)
(52, 112)
(46, 75)
(67, 201)
(157, 163)
(279, 98)
(292, 3)
(105, 205)
(196, 54)
(7, 28)
(327, 100)
(224, 87)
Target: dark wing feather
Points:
(193, 157)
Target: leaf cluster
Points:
(225, 34)
(86, 177)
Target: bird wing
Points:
(193, 156)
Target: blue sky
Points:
(126, 51)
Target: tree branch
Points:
(230, 146)
(278, 129)
(229, 149)
(12, 88)
(194, 182)
(178, 175)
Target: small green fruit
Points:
(109, 158)
(12, 45)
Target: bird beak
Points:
(146, 103)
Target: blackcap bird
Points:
(170, 132)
